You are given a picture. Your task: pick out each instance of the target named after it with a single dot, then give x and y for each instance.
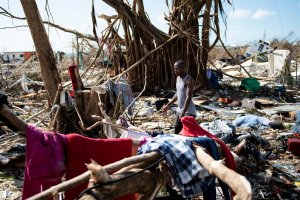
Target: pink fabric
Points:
(45, 160)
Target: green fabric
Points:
(80, 58)
(250, 84)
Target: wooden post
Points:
(238, 183)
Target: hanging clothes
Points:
(50, 155)
(45, 160)
(120, 88)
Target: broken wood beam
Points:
(36, 114)
(139, 181)
(8, 138)
(19, 124)
(19, 103)
(24, 112)
(236, 182)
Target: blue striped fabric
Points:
(189, 176)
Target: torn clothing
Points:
(192, 129)
(45, 160)
(190, 178)
(104, 151)
(252, 121)
(210, 145)
(120, 88)
(178, 123)
(296, 127)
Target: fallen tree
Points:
(141, 37)
(149, 51)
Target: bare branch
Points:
(9, 27)
(5, 13)
(146, 56)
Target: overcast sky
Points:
(248, 21)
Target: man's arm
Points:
(189, 93)
(167, 106)
(6, 112)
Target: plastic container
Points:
(250, 84)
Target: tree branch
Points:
(79, 34)
(146, 56)
(238, 183)
(8, 27)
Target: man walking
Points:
(184, 93)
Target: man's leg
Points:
(178, 125)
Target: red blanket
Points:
(192, 129)
(104, 151)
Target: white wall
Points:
(13, 56)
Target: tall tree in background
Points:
(187, 18)
(147, 47)
(47, 64)
(43, 47)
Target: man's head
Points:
(179, 68)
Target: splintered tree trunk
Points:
(185, 22)
(44, 50)
(205, 39)
(188, 19)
